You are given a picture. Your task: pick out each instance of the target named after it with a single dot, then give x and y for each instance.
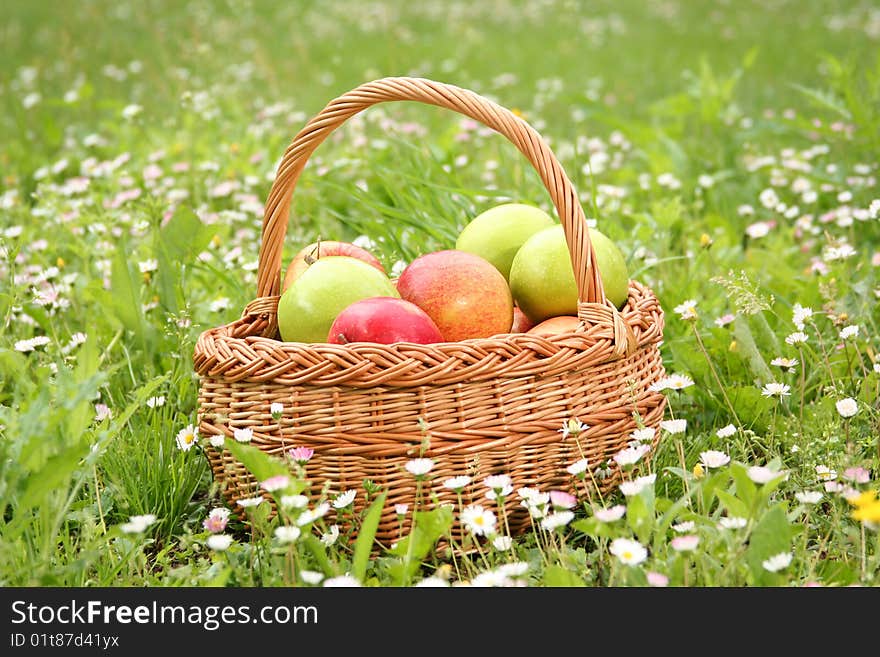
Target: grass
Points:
(728, 148)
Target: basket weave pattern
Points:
(477, 407)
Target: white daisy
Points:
(498, 482)
(714, 459)
(187, 437)
(808, 496)
(243, 435)
(345, 499)
(311, 515)
(528, 494)
(778, 562)
(628, 551)
(610, 514)
(477, 520)
(732, 522)
(287, 533)
(645, 435)
(630, 488)
(419, 467)
(679, 382)
(761, 474)
(578, 467)
(726, 431)
(825, 473)
(800, 314)
(572, 427)
(276, 483)
(311, 577)
(556, 520)
(685, 543)
(798, 337)
(431, 582)
(502, 543)
(687, 309)
(343, 581)
(137, 524)
(631, 455)
(294, 501)
(847, 407)
(776, 390)
(219, 542)
(330, 537)
(674, 426)
(457, 483)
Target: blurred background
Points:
(226, 59)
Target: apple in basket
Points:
(499, 232)
(521, 323)
(385, 320)
(542, 280)
(555, 325)
(310, 254)
(309, 306)
(464, 294)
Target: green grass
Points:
(138, 141)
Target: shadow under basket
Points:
(477, 407)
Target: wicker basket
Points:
(482, 406)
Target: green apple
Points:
(309, 306)
(542, 281)
(497, 233)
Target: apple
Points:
(499, 232)
(384, 320)
(309, 306)
(542, 280)
(554, 325)
(463, 293)
(313, 252)
(521, 323)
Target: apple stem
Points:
(342, 339)
(310, 260)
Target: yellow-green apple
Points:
(313, 252)
(385, 320)
(309, 306)
(463, 293)
(542, 280)
(497, 233)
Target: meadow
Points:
(729, 148)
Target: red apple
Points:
(384, 320)
(465, 295)
(555, 325)
(311, 253)
(521, 323)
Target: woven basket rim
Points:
(243, 351)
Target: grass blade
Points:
(365, 538)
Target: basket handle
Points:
(466, 102)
